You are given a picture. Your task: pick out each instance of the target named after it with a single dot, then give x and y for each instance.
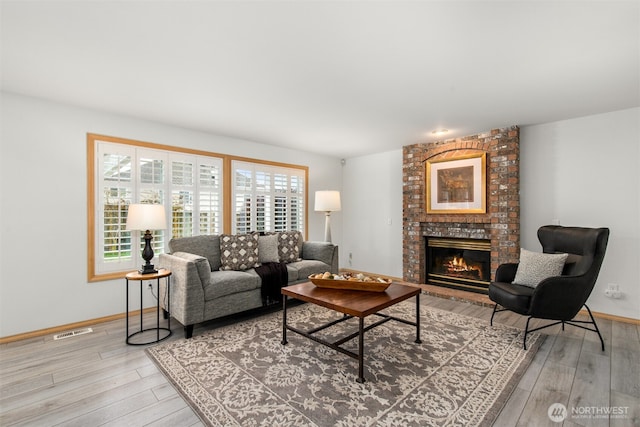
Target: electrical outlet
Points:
(613, 291)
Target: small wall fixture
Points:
(440, 132)
(327, 202)
(146, 217)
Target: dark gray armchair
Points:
(561, 297)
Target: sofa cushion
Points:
(268, 248)
(238, 251)
(534, 267)
(227, 282)
(289, 244)
(307, 267)
(207, 246)
(292, 273)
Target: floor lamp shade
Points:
(146, 217)
(327, 202)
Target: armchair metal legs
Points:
(495, 310)
(573, 322)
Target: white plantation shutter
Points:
(242, 199)
(267, 197)
(263, 203)
(209, 195)
(115, 182)
(280, 200)
(152, 189)
(182, 197)
(296, 203)
(196, 196)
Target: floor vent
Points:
(72, 333)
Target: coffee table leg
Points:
(284, 320)
(361, 351)
(418, 341)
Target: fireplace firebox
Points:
(459, 263)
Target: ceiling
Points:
(341, 78)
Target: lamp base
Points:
(148, 269)
(147, 255)
(327, 227)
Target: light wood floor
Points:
(96, 379)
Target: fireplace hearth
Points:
(459, 263)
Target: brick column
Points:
(501, 222)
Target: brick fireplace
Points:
(500, 225)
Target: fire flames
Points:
(457, 265)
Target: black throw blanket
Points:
(274, 276)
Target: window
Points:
(189, 185)
(203, 193)
(267, 197)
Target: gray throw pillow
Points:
(238, 251)
(268, 248)
(534, 267)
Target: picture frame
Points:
(457, 185)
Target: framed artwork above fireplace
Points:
(457, 184)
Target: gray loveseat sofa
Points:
(212, 278)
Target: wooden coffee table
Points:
(351, 303)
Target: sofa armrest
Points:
(322, 251)
(189, 275)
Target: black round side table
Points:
(162, 273)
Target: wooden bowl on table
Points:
(355, 285)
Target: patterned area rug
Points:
(461, 374)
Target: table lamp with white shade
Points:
(327, 202)
(146, 217)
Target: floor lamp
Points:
(327, 202)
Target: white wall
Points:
(43, 206)
(586, 172)
(567, 173)
(372, 213)
(582, 172)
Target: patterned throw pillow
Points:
(238, 251)
(289, 246)
(534, 267)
